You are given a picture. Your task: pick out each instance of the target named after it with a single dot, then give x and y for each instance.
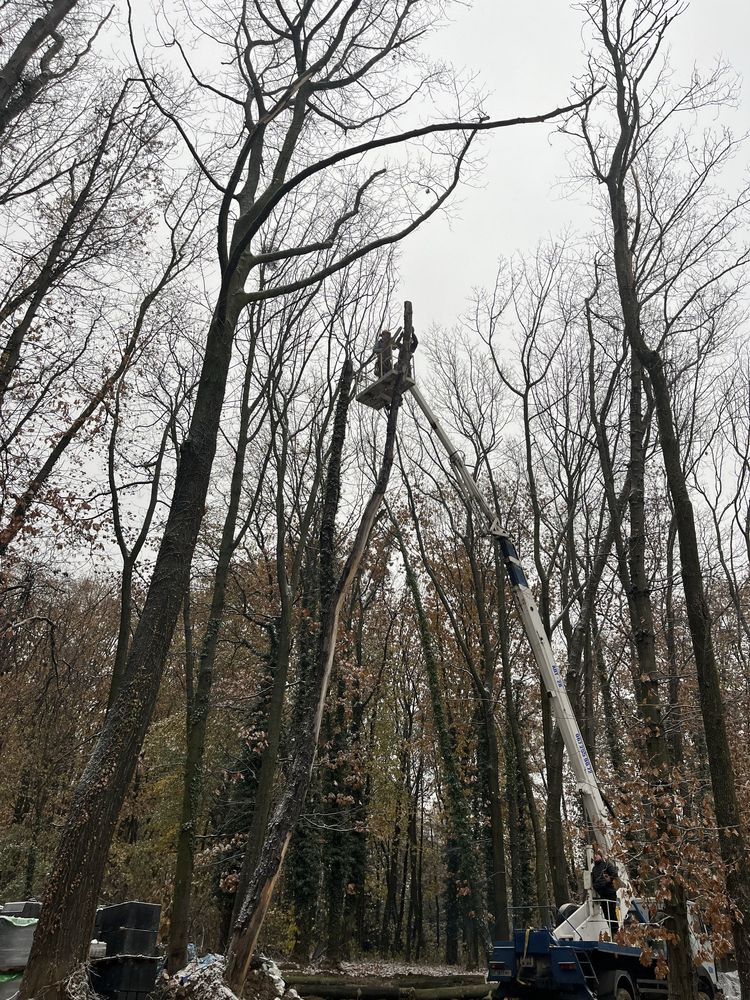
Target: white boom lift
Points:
(588, 920)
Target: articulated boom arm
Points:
(596, 811)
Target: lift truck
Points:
(575, 960)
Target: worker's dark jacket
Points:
(602, 877)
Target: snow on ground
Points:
(271, 969)
(730, 983)
(201, 979)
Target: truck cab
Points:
(538, 965)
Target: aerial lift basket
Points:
(380, 393)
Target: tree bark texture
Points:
(18, 87)
(483, 685)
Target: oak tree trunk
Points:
(197, 715)
(72, 889)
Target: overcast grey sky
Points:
(527, 52)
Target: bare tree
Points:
(291, 333)
(298, 82)
(459, 565)
(333, 590)
(24, 481)
(144, 410)
(534, 301)
(675, 253)
(65, 246)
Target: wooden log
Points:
(354, 991)
(349, 991)
(472, 992)
(422, 982)
(293, 978)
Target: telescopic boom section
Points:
(541, 647)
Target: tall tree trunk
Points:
(681, 975)
(553, 745)
(337, 847)
(576, 648)
(498, 876)
(588, 719)
(413, 923)
(540, 860)
(611, 730)
(461, 833)
(260, 890)
(304, 875)
(732, 837)
(398, 936)
(554, 819)
(634, 578)
(484, 688)
(512, 798)
(676, 720)
(354, 899)
(631, 566)
(391, 883)
(616, 176)
(197, 715)
(451, 901)
(267, 771)
(72, 888)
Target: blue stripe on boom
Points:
(510, 555)
(508, 548)
(516, 575)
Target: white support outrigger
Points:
(588, 920)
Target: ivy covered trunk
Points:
(333, 592)
(462, 854)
